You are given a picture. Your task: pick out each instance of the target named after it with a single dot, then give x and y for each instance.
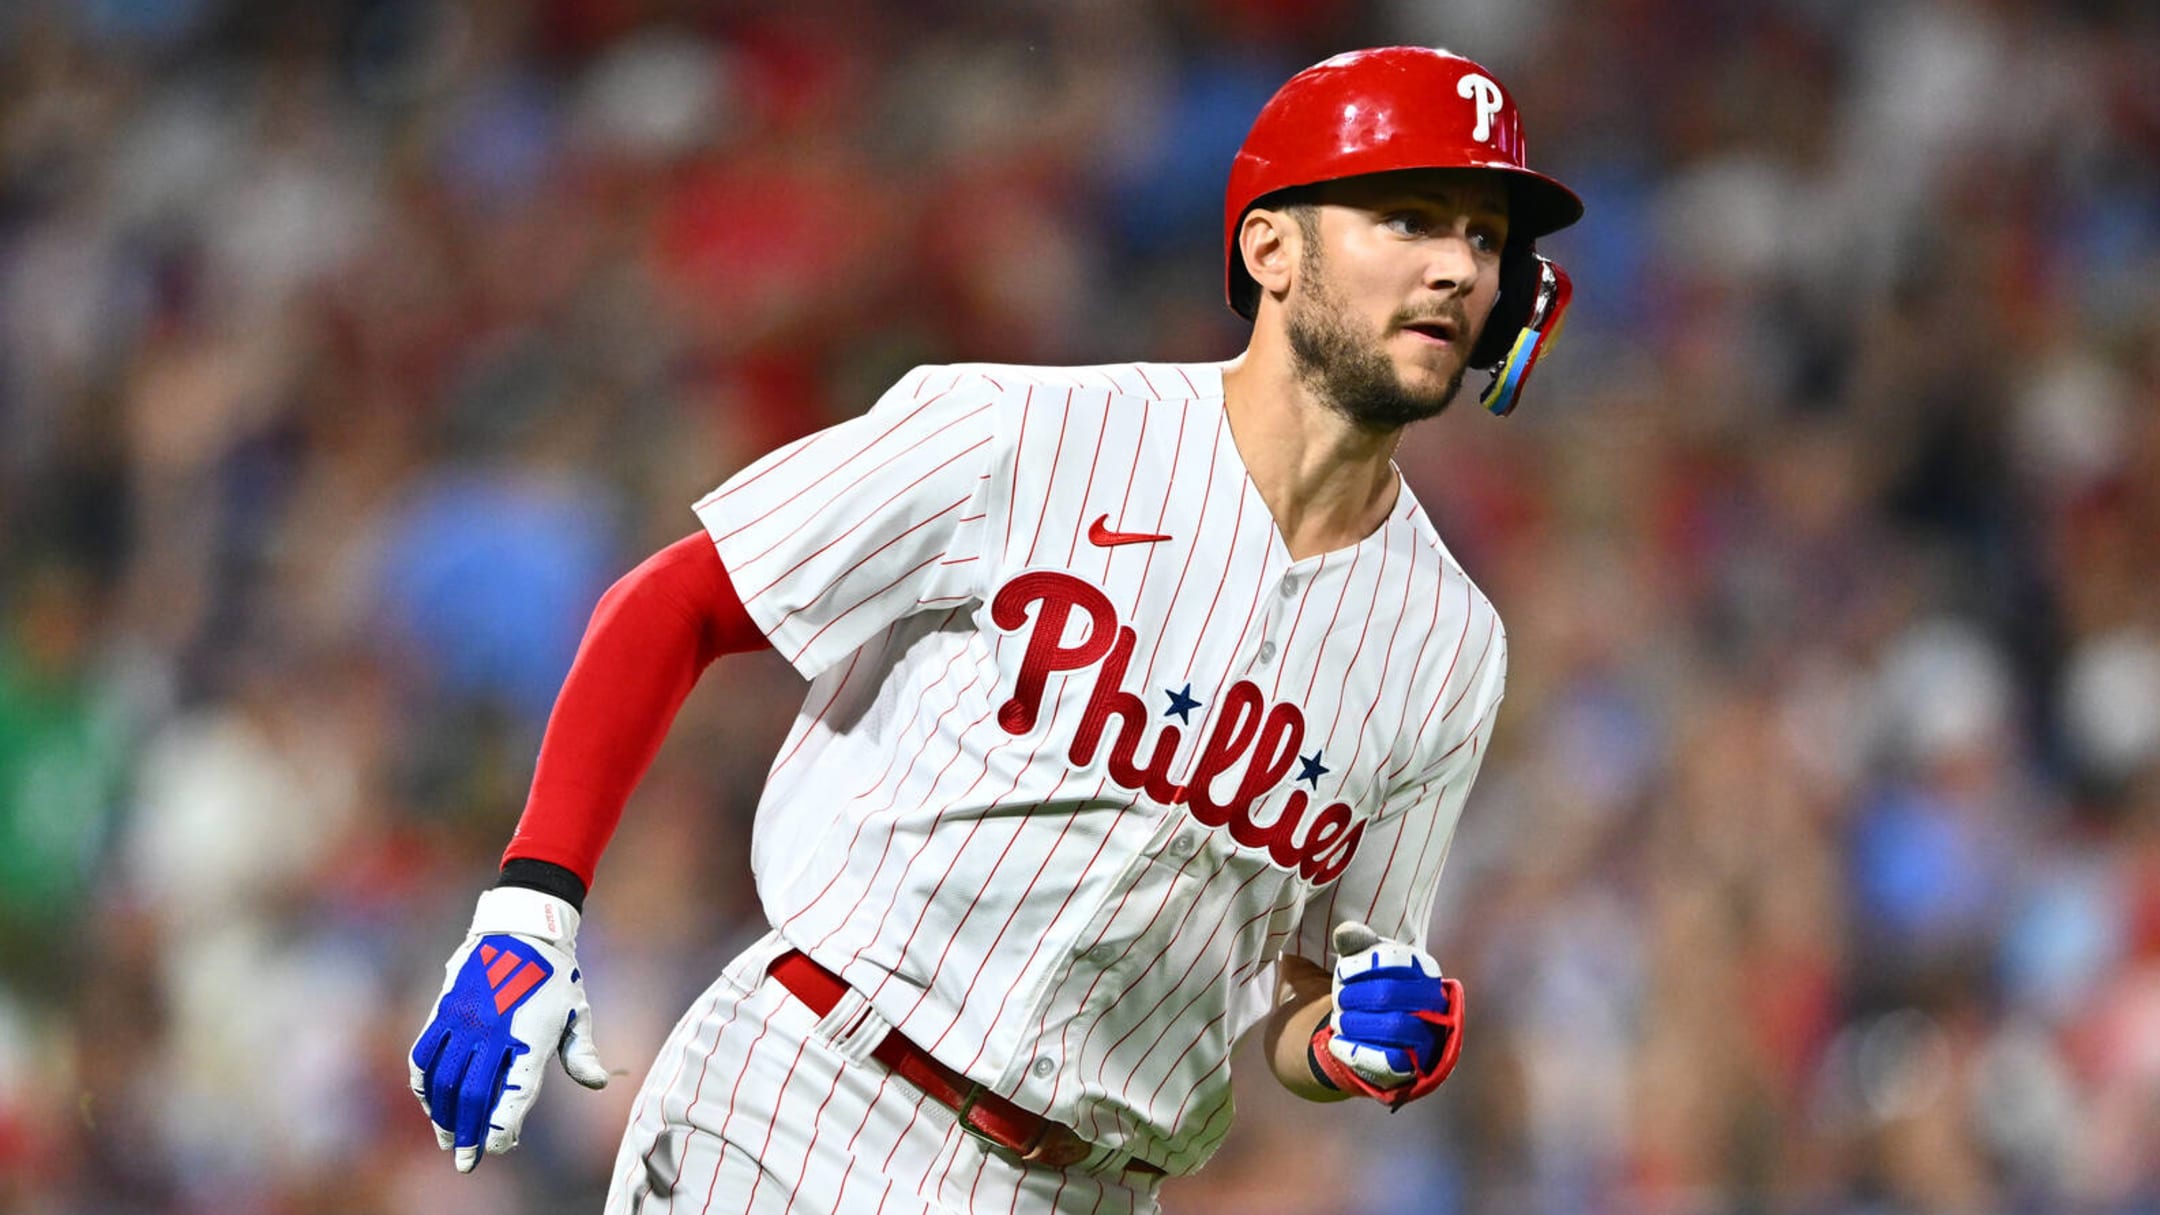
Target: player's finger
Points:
(427, 1048)
(1378, 993)
(521, 1084)
(1371, 1062)
(426, 1065)
(1388, 956)
(478, 1089)
(1389, 1030)
(580, 1056)
(446, 1080)
(1352, 936)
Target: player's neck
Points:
(1328, 483)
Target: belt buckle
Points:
(966, 1107)
(1025, 1154)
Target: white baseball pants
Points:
(755, 1105)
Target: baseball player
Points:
(1143, 702)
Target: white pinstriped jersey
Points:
(1084, 749)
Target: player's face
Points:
(1398, 273)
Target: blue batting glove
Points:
(512, 996)
(1388, 999)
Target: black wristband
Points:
(1312, 1060)
(547, 877)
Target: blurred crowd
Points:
(349, 349)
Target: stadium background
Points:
(349, 349)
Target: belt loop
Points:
(853, 1027)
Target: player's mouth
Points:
(1437, 330)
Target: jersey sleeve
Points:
(1392, 883)
(839, 534)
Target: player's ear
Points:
(1270, 242)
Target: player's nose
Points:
(1451, 267)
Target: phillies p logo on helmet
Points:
(1485, 94)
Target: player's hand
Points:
(1396, 1028)
(512, 996)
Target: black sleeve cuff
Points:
(547, 877)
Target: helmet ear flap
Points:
(1524, 324)
(1511, 310)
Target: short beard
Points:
(1347, 372)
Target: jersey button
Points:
(1042, 1067)
(1267, 651)
(1182, 845)
(1102, 954)
(1289, 585)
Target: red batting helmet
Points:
(1408, 107)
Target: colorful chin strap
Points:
(1537, 337)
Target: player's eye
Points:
(1408, 223)
(1486, 239)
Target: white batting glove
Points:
(1396, 1028)
(512, 995)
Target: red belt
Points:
(983, 1114)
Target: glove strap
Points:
(526, 913)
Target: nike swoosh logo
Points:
(1100, 535)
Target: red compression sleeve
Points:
(651, 636)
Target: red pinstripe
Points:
(733, 487)
(1402, 711)
(794, 525)
(779, 1099)
(781, 764)
(1087, 491)
(817, 1127)
(1469, 682)
(929, 797)
(1343, 691)
(1029, 964)
(1380, 886)
(1469, 738)
(737, 486)
(1223, 1108)
(659, 1104)
(1282, 661)
(1020, 447)
(1222, 914)
(949, 1154)
(1198, 1038)
(938, 967)
(1065, 1034)
(921, 702)
(1237, 530)
(1207, 496)
(1102, 1068)
(876, 513)
(705, 1069)
(1349, 579)
(1049, 489)
(1453, 660)
(837, 579)
(991, 949)
(839, 1202)
(906, 574)
(1401, 612)
(1042, 1020)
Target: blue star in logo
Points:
(1181, 703)
(1313, 770)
